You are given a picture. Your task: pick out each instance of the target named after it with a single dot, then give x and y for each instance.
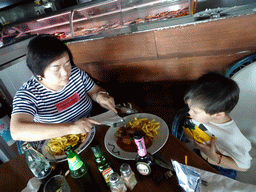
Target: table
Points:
(15, 174)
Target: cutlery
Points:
(112, 124)
(120, 122)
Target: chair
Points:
(176, 126)
(244, 114)
(240, 64)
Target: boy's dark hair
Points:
(42, 51)
(214, 93)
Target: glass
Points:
(50, 156)
(37, 163)
(57, 183)
(116, 183)
(98, 18)
(57, 25)
(128, 176)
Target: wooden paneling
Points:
(237, 33)
(177, 69)
(134, 46)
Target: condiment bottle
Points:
(116, 183)
(37, 163)
(128, 176)
(102, 162)
(80, 170)
(144, 160)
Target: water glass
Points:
(57, 183)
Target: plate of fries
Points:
(152, 125)
(53, 149)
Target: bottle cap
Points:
(25, 146)
(138, 135)
(114, 178)
(125, 170)
(69, 147)
(96, 149)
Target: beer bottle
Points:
(37, 163)
(80, 170)
(144, 160)
(102, 162)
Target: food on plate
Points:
(60, 35)
(78, 31)
(124, 135)
(58, 144)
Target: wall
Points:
(154, 68)
(14, 76)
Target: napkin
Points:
(219, 183)
(33, 185)
(107, 117)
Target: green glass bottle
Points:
(79, 170)
(102, 162)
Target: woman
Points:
(56, 101)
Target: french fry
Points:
(150, 127)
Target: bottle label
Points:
(106, 173)
(75, 163)
(142, 151)
(143, 168)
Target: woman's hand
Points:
(83, 125)
(103, 98)
(106, 101)
(209, 149)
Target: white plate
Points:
(159, 141)
(79, 149)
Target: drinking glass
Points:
(57, 183)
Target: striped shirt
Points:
(47, 106)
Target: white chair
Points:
(244, 114)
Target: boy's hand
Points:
(208, 149)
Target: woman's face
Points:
(56, 75)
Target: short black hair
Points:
(214, 93)
(43, 50)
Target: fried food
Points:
(124, 135)
(149, 127)
(58, 144)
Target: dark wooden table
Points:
(15, 174)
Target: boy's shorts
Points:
(231, 173)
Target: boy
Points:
(210, 100)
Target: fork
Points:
(112, 124)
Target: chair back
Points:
(244, 114)
(178, 121)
